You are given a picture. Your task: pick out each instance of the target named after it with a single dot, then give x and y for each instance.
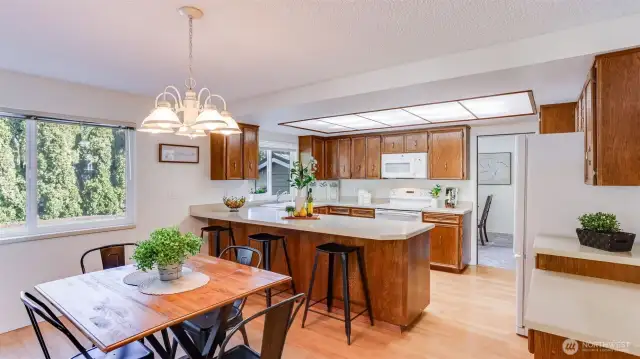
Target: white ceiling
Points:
(247, 48)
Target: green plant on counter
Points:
(600, 222)
(290, 210)
(302, 176)
(435, 191)
(166, 246)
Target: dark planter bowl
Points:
(611, 242)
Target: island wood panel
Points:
(112, 314)
(374, 154)
(398, 271)
(589, 268)
(358, 157)
(545, 345)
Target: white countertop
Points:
(377, 229)
(584, 308)
(571, 247)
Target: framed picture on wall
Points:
(178, 153)
(494, 168)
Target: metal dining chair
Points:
(134, 350)
(278, 320)
(200, 328)
(112, 255)
(482, 226)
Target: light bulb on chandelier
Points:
(191, 116)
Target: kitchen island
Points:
(396, 256)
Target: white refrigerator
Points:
(550, 195)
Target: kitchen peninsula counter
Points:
(396, 255)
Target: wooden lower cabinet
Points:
(341, 211)
(447, 241)
(321, 210)
(346, 211)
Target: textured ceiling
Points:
(247, 48)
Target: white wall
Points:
(164, 191)
(501, 214)
(380, 188)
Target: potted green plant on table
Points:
(602, 231)
(167, 249)
(302, 176)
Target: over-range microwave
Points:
(404, 165)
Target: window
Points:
(59, 175)
(274, 168)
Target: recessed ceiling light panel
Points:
(500, 106)
(394, 118)
(442, 112)
(321, 126)
(354, 122)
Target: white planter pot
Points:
(437, 203)
(171, 272)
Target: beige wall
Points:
(163, 191)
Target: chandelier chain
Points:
(191, 80)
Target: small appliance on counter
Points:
(364, 197)
(405, 204)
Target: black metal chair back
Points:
(244, 255)
(485, 211)
(112, 255)
(34, 306)
(278, 320)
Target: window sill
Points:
(70, 233)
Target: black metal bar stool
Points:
(266, 239)
(217, 230)
(332, 249)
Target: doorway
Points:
(496, 200)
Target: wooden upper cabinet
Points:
(234, 157)
(393, 144)
(558, 118)
(448, 153)
(616, 118)
(250, 152)
(358, 157)
(344, 158)
(312, 146)
(331, 159)
(374, 144)
(589, 130)
(416, 142)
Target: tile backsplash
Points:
(381, 188)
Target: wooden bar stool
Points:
(332, 249)
(217, 230)
(265, 239)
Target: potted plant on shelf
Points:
(167, 249)
(602, 231)
(301, 177)
(435, 195)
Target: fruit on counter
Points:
(303, 212)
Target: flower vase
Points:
(300, 200)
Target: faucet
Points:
(280, 193)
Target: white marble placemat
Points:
(138, 277)
(188, 281)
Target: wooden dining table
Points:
(112, 314)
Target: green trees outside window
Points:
(81, 171)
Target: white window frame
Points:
(293, 158)
(33, 231)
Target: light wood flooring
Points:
(471, 316)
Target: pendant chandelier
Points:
(189, 116)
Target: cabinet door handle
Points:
(234, 165)
(415, 143)
(250, 165)
(393, 145)
(445, 165)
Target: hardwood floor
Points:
(470, 316)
